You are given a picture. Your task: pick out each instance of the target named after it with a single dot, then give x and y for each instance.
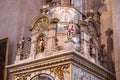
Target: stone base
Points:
(17, 57)
(65, 66)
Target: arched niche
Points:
(41, 43)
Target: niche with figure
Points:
(41, 42)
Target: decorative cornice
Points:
(48, 61)
(67, 57)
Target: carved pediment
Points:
(41, 23)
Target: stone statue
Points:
(20, 45)
(41, 46)
(92, 48)
(103, 54)
(70, 31)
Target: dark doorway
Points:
(3, 56)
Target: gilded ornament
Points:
(22, 76)
(60, 70)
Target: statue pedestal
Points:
(17, 57)
(69, 45)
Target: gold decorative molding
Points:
(60, 70)
(40, 23)
(22, 76)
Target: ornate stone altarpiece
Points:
(62, 48)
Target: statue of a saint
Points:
(41, 46)
(70, 31)
(92, 48)
(20, 45)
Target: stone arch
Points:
(42, 20)
(42, 76)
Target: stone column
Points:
(51, 44)
(116, 30)
(83, 31)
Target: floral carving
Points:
(60, 70)
(22, 76)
